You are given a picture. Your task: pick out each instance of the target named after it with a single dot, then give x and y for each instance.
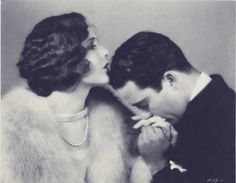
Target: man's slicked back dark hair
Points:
(53, 57)
(144, 58)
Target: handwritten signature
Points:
(215, 180)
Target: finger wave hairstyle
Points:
(53, 57)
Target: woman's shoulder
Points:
(18, 95)
(21, 98)
(31, 141)
(21, 107)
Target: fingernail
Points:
(133, 118)
(135, 126)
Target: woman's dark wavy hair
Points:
(53, 57)
(144, 58)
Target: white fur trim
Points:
(108, 152)
(140, 172)
(32, 150)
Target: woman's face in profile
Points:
(97, 56)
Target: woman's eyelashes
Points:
(92, 44)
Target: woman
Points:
(51, 131)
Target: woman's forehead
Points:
(92, 32)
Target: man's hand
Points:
(154, 142)
(158, 122)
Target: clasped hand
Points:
(154, 142)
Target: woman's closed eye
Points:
(91, 44)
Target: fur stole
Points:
(33, 151)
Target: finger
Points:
(150, 133)
(165, 130)
(146, 115)
(140, 139)
(136, 118)
(162, 124)
(142, 130)
(142, 123)
(160, 132)
(139, 124)
(174, 135)
(149, 121)
(144, 134)
(141, 115)
(155, 120)
(165, 126)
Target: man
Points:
(192, 140)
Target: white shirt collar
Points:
(202, 82)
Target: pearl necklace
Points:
(72, 119)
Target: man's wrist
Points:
(157, 166)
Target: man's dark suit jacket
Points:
(206, 145)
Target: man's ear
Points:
(171, 78)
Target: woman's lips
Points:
(106, 66)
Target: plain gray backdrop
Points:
(205, 31)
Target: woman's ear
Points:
(171, 78)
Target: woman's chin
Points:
(101, 81)
(105, 81)
(96, 80)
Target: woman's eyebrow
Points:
(91, 39)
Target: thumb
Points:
(174, 135)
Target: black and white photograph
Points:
(117, 91)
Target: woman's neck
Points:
(70, 102)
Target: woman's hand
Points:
(155, 140)
(158, 122)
